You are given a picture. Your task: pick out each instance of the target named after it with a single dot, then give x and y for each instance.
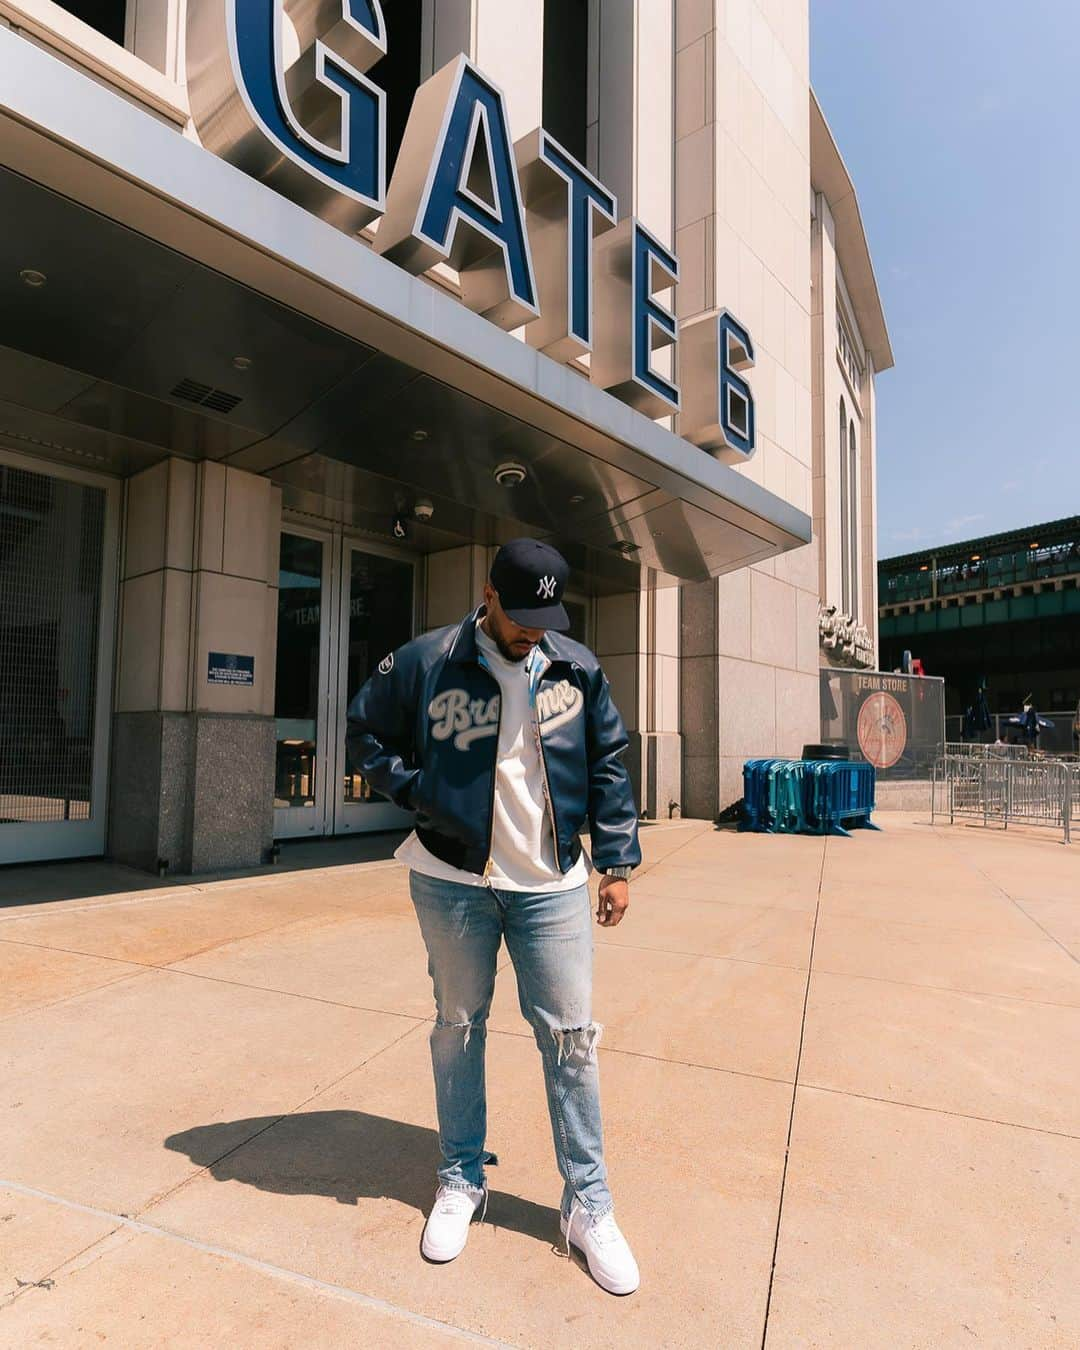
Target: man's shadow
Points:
(345, 1155)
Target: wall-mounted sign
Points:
(228, 668)
(532, 234)
(895, 722)
(719, 409)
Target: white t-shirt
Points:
(522, 839)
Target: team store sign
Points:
(535, 238)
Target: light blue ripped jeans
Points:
(549, 938)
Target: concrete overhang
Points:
(829, 176)
(165, 263)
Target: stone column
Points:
(620, 646)
(868, 542)
(505, 40)
(455, 583)
(632, 150)
(742, 233)
(193, 755)
(828, 389)
(699, 699)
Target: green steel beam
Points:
(1010, 609)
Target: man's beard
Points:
(505, 650)
(508, 653)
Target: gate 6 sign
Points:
(535, 238)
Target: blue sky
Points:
(960, 124)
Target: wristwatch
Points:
(623, 873)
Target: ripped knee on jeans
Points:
(476, 1024)
(577, 1043)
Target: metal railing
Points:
(1000, 790)
(1000, 750)
(1058, 739)
(959, 575)
(976, 750)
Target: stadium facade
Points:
(306, 309)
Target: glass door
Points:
(301, 691)
(377, 614)
(58, 546)
(342, 607)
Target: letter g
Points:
(316, 131)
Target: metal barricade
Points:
(979, 750)
(1027, 792)
(1038, 794)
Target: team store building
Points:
(306, 308)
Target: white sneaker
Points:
(611, 1262)
(447, 1228)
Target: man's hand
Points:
(613, 902)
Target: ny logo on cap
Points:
(546, 589)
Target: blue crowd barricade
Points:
(794, 796)
(786, 791)
(755, 795)
(840, 796)
(773, 796)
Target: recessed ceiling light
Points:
(242, 362)
(420, 434)
(576, 499)
(510, 474)
(32, 277)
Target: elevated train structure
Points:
(1005, 607)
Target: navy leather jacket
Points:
(424, 731)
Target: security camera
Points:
(423, 510)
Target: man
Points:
(502, 736)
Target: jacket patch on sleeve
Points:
(386, 665)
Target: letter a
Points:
(455, 196)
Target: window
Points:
(398, 73)
(565, 110)
(52, 551)
(107, 16)
(853, 516)
(849, 514)
(846, 351)
(845, 541)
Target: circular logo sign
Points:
(882, 730)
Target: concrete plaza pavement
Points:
(841, 1084)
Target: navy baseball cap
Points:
(530, 578)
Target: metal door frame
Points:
(37, 841)
(299, 822)
(343, 818)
